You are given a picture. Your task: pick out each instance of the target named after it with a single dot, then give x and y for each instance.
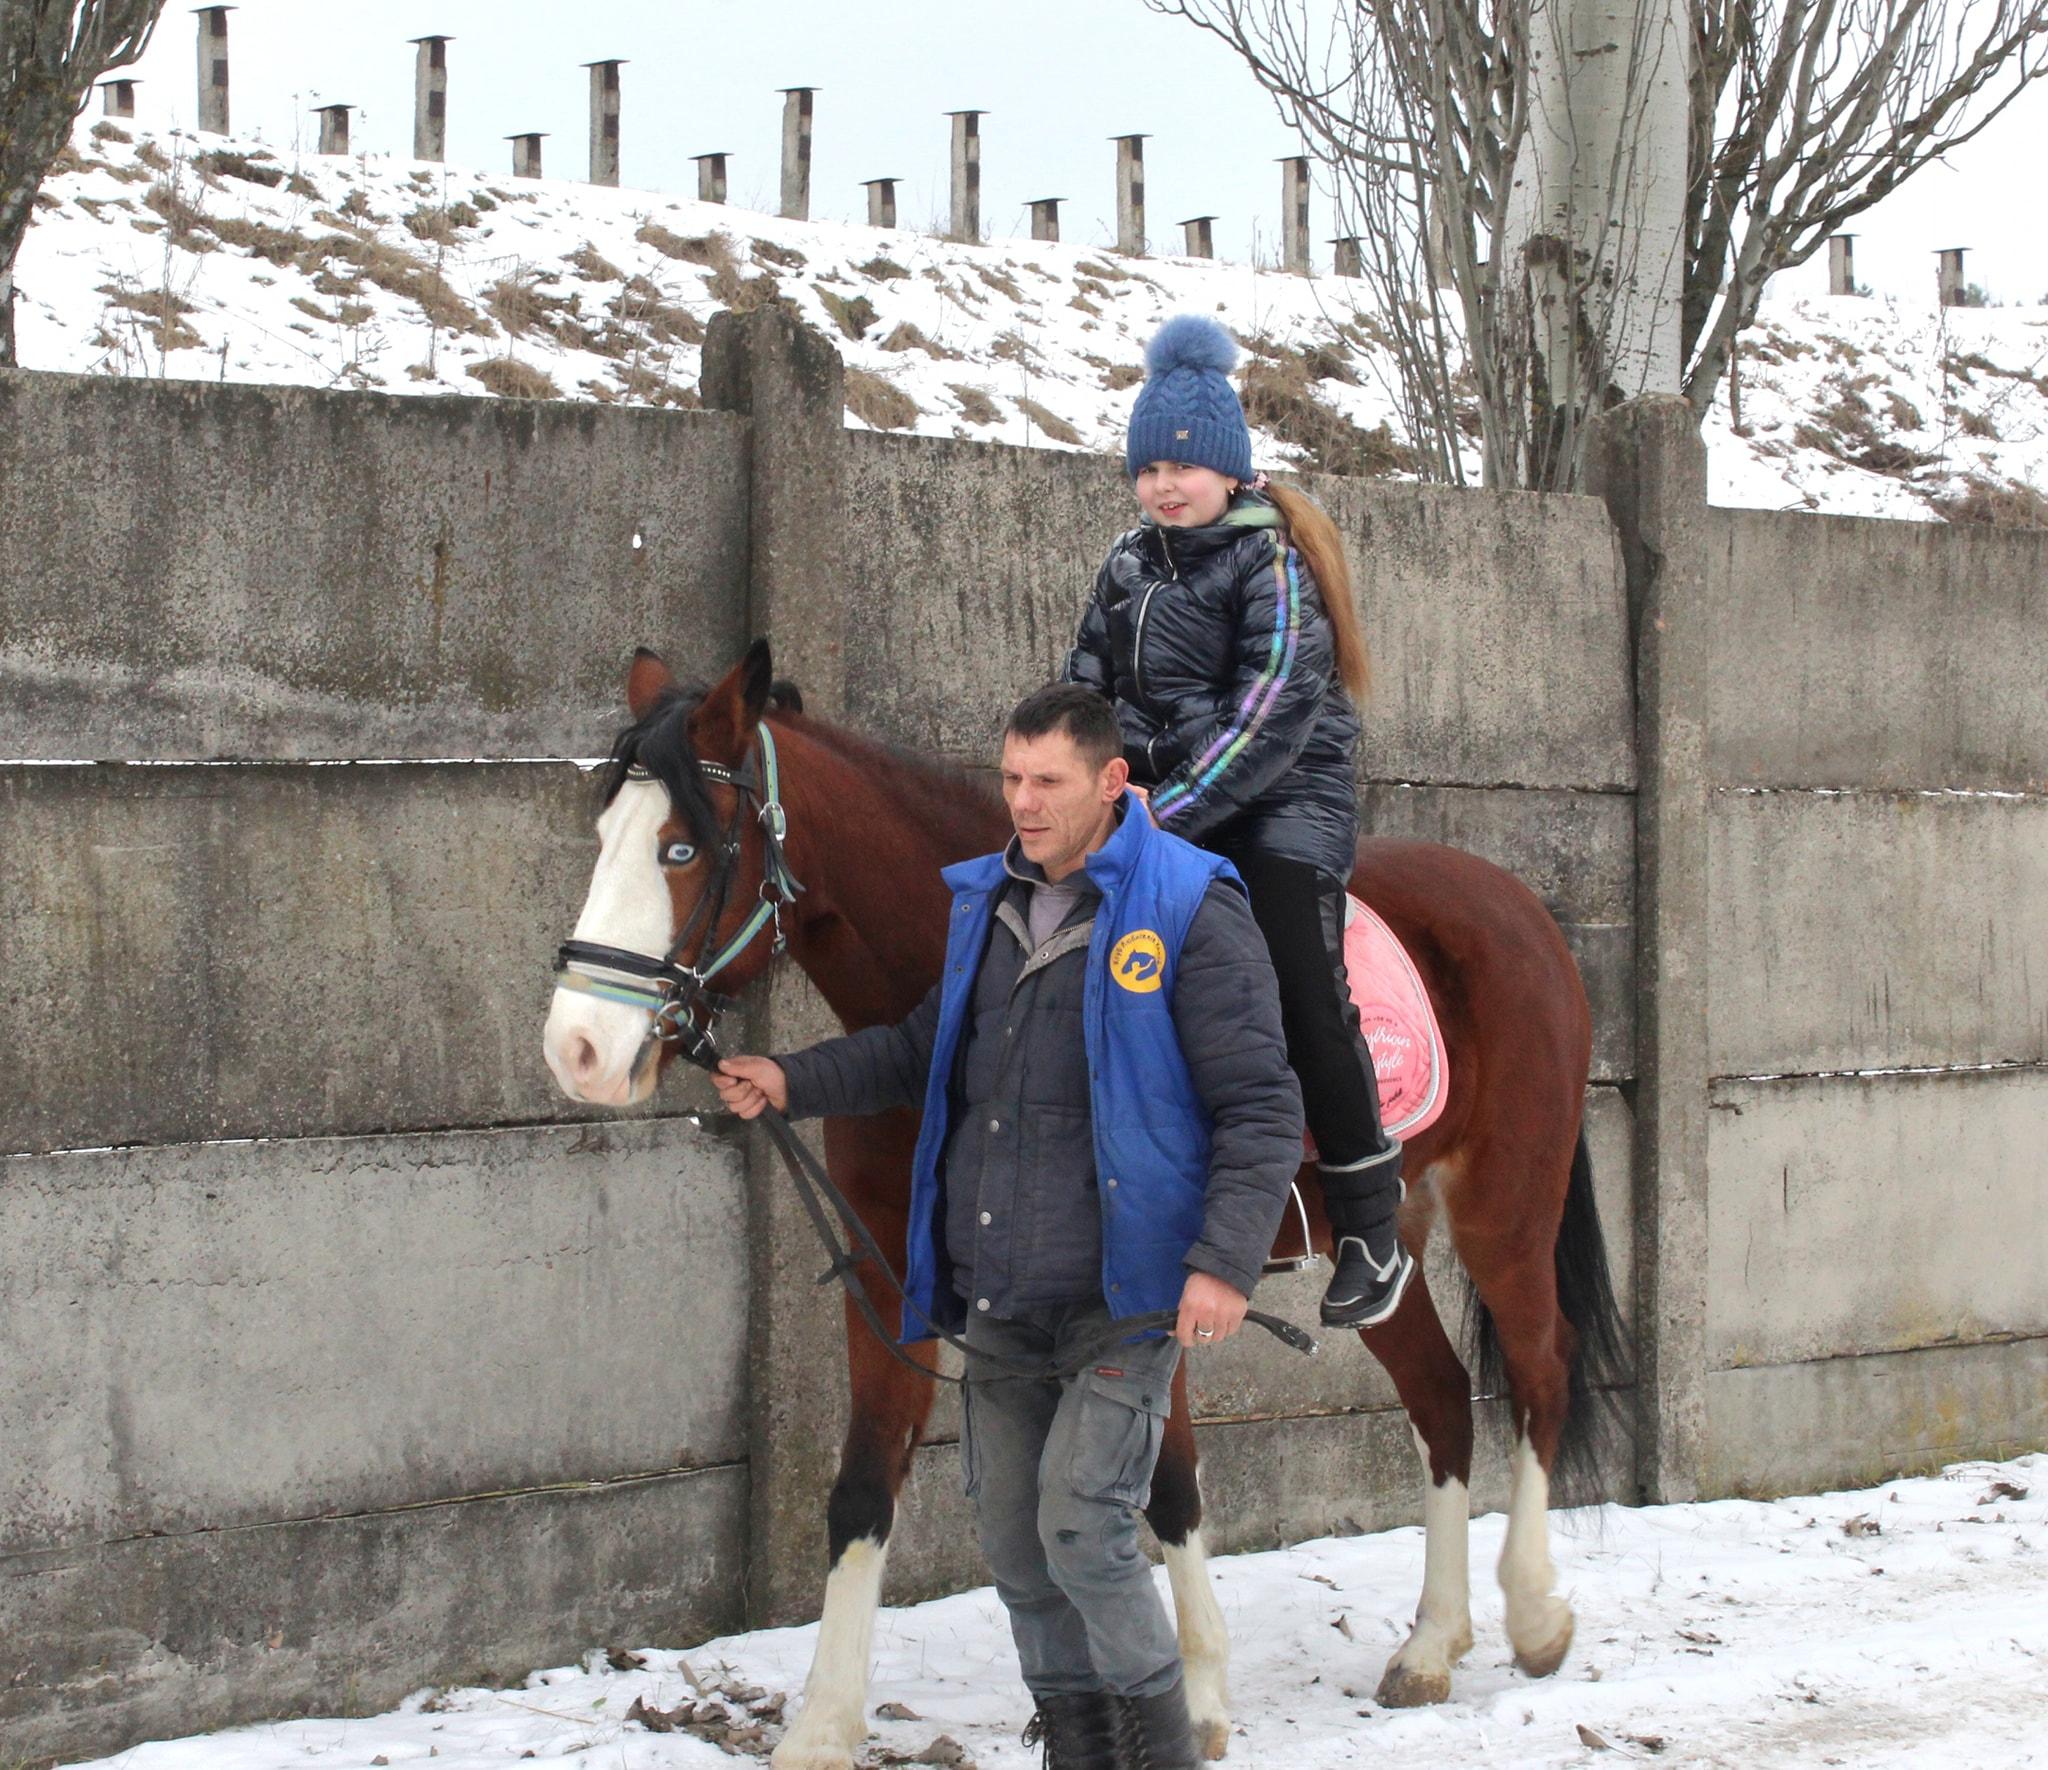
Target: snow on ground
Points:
(1906, 1625)
(215, 259)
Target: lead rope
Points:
(815, 1191)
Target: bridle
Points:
(684, 1006)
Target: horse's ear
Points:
(757, 679)
(785, 696)
(646, 682)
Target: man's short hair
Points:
(1080, 712)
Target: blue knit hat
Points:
(1187, 410)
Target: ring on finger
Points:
(1205, 1333)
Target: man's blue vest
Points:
(1152, 1132)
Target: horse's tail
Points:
(1595, 1421)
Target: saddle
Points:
(1401, 1032)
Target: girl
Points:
(1222, 631)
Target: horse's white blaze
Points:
(1539, 1623)
(1204, 1643)
(833, 1722)
(591, 1044)
(1420, 1671)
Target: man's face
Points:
(1062, 807)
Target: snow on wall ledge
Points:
(163, 257)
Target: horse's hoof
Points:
(1409, 1687)
(1542, 1661)
(1212, 1739)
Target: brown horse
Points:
(689, 853)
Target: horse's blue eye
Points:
(678, 854)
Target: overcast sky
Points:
(1058, 78)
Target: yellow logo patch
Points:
(1138, 961)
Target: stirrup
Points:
(1294, 1262)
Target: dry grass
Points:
(157, 312)
(713, 251)
(1001, 281)
(905, 336)
(1985, 503)
(975, 405)
(515, 380)
(852, 316)
(1977, 425)
(1048, 421)
(1082, 304)
(782, 257)
(1848, 429)
(519, 304)
(880, 270)
(1278, 390)
(641, 304)
(651, 386)
(111, 132)
(1118, 376)
(878, 402)
(223, 164)
(593, 266)
(148, 153)
(742, 294)
(439, 223)
(1108, 273)
(1014, 347)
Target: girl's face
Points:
(1179, 496)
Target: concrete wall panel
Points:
(1855, 653)
(196, 570)
(233, 1334)
(1851, 1422)
(159, 1637)
(1935, 1187)
(1864, 930)
(1499, 623)
(281, 951)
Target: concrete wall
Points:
(364, 1363)
(1878, 1038)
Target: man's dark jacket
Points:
(1213, 645)
(1023, 1220)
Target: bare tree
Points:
(51, 53)
(1439, 126)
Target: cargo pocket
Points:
(1117, 1437)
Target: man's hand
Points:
(748, 1084)
(1210, 1310)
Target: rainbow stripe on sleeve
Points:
(1258, 702)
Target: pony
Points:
(727, 808)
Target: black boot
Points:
(1373, 1268)
(1156, 1734)
(1079, 1732)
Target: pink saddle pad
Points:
(1399, 1024)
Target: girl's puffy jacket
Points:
(1213, 645)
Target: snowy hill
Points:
(218, 260)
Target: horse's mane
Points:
(954, 803)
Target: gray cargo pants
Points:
(1056, 1470)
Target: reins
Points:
(676, 993)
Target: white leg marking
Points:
(589, 1044)
(1421, 1671)
(833, 1722)
(1204, 1644)
(1539, 1623)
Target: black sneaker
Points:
(1365, 1290)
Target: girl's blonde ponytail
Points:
(1315, 537)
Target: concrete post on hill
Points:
(790, 385)
(1841, 264)
(213, 68)
(1294, 215)
(964, 223)
(333, 127)
(1347, 255)
(1130, 194)
(881, 201)
(119, 97)
(526, 153)
(430, 99)
(1647, 461)
(1198, 236)
(1949, 283)
(604, 121)
(1045, 219)
(796, 151)
(710, 177)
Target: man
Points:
(1110, 1126)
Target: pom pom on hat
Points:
(1191, 341)
(1187, 410)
